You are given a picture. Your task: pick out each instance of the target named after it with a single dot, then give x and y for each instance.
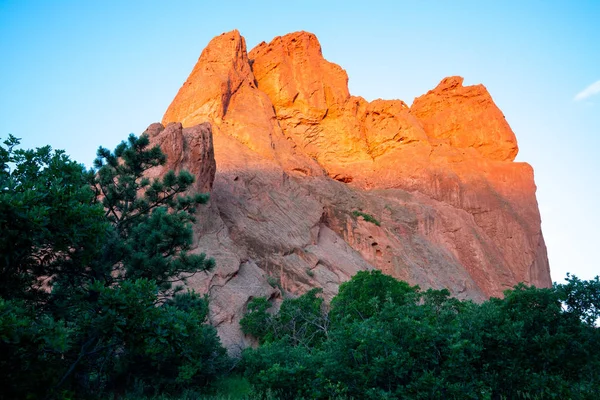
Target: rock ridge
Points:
(296, 154)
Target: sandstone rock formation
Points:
(296, 154)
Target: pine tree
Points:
(93, 264)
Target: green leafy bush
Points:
(299, 321)
(31, 348)
(366, 293)
(366, 217)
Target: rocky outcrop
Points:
(465, 118)
(187, 148)
(296, 155)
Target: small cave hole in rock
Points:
(343, 179)
(301, 171)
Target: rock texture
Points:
(296, 154)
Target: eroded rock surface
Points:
(296, 154)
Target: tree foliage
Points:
(93, 264)
(581, 298)
(367, 292)
(151, 219)
(299, 321)
(49, 222)
(387, 339)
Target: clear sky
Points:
(80, 74)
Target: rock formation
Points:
(296, 155)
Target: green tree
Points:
(31, 350)
(49, 221)
(257, 321)
(529, 344)
(581, 298)
(282, 370)
(300, 321)
(125, 340)
(364, 295)
(151, 220)
(95, 264)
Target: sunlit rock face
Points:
(296, 154)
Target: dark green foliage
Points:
(387, 339)
(257, 322)
(48, 219)
(87, 303)
(365, 294)
(299, 321)
(581, 298)
(31, 348)
(135, 342)
(151, 219)
(366, 217)
(288, 372)
(530, 345)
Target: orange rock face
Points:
(466, 117)
(296, 154)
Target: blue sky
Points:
(80, 74)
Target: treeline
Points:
(93, 304)
(384, 339)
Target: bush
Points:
(299, 321)
(366, 293)
(366, 217)
(31, 349)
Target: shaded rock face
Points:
(296, 154)
(187, 148)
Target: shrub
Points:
(366, 217)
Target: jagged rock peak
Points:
(304, 89)
(466, 117)
(291, 70)
(449, 83)
(222, 67)
(300, 38)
